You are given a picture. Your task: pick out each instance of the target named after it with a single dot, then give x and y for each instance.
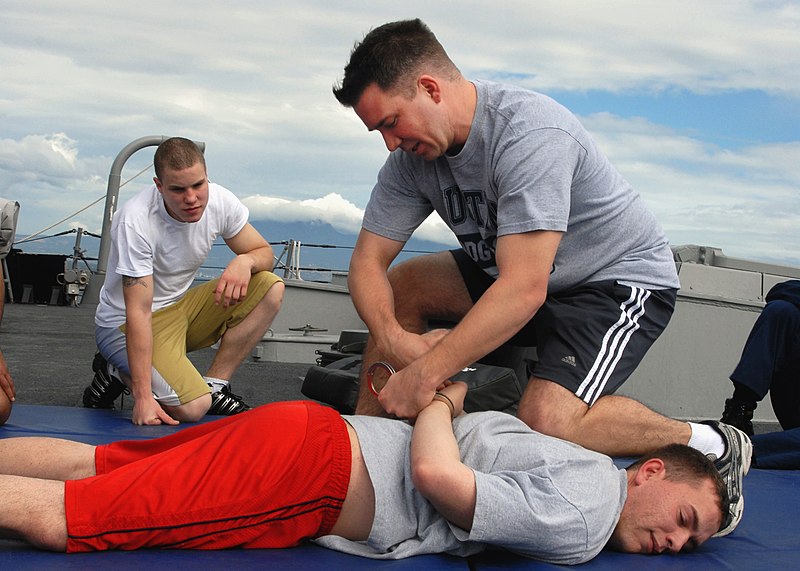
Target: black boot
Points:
(225, 403)
(740, 415)
(105, 387)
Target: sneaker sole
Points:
(737, 510)
(747, 448)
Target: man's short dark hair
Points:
(177, 153)
(685, 464)
(393, 56)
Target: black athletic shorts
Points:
(588, 339)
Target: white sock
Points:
(216, 384)
(706, 439)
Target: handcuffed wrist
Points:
(446, 399)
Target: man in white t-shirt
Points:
(558, 252)
(149, 316)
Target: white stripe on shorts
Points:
(614, 342)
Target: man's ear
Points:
(430, 85)
(652, 468)
(157, 182)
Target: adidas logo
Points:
(569, 360)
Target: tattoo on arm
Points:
(128, 281)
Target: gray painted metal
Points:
(685, 374)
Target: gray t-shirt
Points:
(537, 496)
(528, 164)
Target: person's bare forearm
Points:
(370, 288)
(261, 259)
(139, 343)
(436, 466)
(493, 320)
(249, 245)
(138, 295)
(374, 301)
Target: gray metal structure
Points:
(685, 374)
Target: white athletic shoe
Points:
(732, 466)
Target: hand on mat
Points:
(6, 382)
(148, 411)
(232, 286)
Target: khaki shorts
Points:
(192, 323)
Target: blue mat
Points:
(767, 538)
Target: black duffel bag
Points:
(490, 387)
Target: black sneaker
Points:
(732, 465)
(738, 415)
(225, 403)
(105, 388)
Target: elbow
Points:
(532, 302)
(269, 257)
(353, 271)
(527, 293)
(427, 476)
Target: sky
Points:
(697, 104)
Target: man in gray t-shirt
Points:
(364, 485)
(558, 252)
(490, 480)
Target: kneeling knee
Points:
(530, 417)
(191, 411)
(548, 422)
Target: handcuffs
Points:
(371, 372)
(389, 369)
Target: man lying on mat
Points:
(285, 472)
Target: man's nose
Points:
(391, 141)
(676, 541)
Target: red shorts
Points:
(270, 477)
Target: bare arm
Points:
(524, 262)
(436, 467)
(374, 300)
(138, 295)
(7, 392)
(253, 254)
(6, 382)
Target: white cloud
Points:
(253, 81)
(744, 201)
(333, 209)
(46, 175)
(623, 45)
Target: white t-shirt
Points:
(146, 240)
